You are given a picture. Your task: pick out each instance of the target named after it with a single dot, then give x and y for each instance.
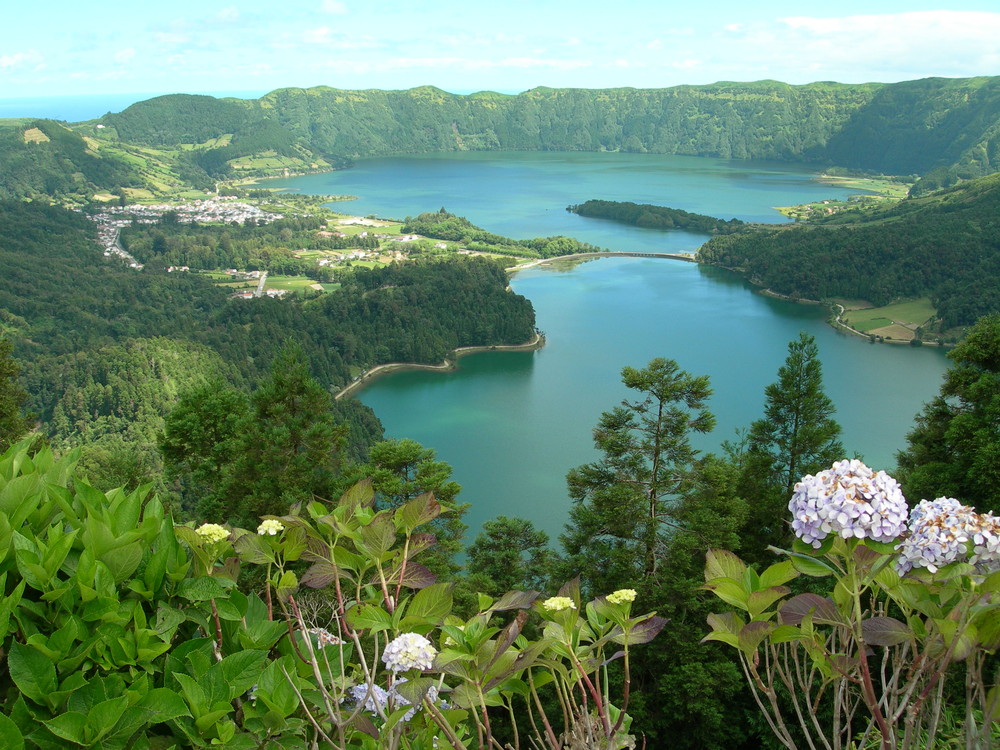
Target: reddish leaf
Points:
(822, 609)
(319, 576)
(885, 631)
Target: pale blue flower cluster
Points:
(850, 500)
(372, 696)
(943, 531)
(375, 698)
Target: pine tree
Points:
(954, 450)
(402, 469)
(291, 448)
(623, 500)
(796, 436)
(14, 424)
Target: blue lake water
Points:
(513, 424)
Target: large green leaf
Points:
(242, 670)
(32, 672)
(430, 605)
(720, 563)
(10, 735)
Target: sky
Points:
(64, 48)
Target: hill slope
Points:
(945, 246)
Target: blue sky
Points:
(57, 47)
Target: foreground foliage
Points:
(124, 630)
(907, 607)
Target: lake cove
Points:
(512, 424)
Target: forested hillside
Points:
(910, 127)
(107, 349)
(945, 246)
(943, 128)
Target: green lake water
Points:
(512, 424)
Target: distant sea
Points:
(89, 107)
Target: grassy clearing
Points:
(34, 135)
(290, 283)
(894, 332)
(912, 313)
(866, 326)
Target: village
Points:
(228, 210)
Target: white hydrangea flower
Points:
(409, 651)
(621, 596)
(850, 500)
(212, 532)
(270, 527)
(558, 603)
(938, 535)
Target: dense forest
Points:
(106, 349)
(655, 217)
(945, 246)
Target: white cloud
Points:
(171, 37)
(320, 35)
(334, 6)
(18, 59)
(125, 55)
(688, 64)
(228, 15)
(875, 47)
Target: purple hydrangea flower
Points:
(850, 500)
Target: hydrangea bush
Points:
(914, 596)
(123, 630)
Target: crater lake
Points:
(511, 424)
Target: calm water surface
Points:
(513, 424)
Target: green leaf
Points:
(778, 574)
(379, 536)
(71, 726)
(201, 589)
(431, 604)
(242, 670)
(731, 592)
(721, 563)
(761, 600)
(32, 672)
(10, 736)
(811, 566)
(103, 716)
(418, 511)
(368, 616)
(253, 548)
(752, 634)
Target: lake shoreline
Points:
(450, 363)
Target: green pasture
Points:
(913, 312)
(290, 283)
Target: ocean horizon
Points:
(91, 106)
